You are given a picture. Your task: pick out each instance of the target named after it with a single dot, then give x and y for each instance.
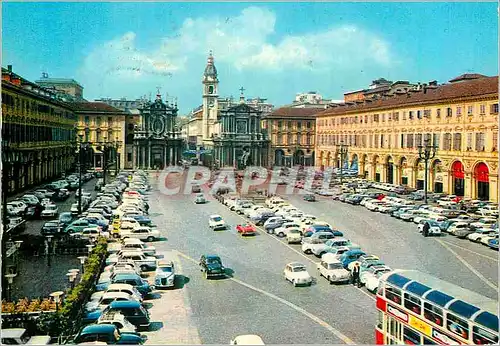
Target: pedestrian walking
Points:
(355, 275)
(425, 229)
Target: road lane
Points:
(258, 261)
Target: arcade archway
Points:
(458, 178)
(390, 170)
(482, 181)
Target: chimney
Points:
(9, 67)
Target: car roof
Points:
(296, 264)
(120, 286)
(101, 328)
(212, 256)
(115, 295)
(249, 339)
(215, 215)
(164, 263)
(123, 303)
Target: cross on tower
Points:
(242, 90)
(158, 90)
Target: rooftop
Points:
(468, 88)
(296, 112)
(47, 80)
(94, 107)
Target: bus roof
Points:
(438, 291)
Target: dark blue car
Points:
(107, 333)
(142, 219)
(350, 256)
(320, 228)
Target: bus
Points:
(418, 309)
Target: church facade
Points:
(157, 140)
(228, 133)
(241, 141)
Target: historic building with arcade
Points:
(38, 133)
(459, 118)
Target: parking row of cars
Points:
(475, 227)
(338, 254)
(117, 311)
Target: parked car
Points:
(164, 274)
(294, 236)
(371, 277)
(133, 312)
(309, 244)
(144, 262)
(108, 334)
(212, 266)
(493, 243)
(119, 320)
(350, 256)
(50, 228)
(134, 244)
(297, 274)
(332, 269)
(143, 233)
(323, 248)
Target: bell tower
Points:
(210, 96)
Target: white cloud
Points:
(246, 42)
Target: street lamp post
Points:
(82, 261)
(343, 149)
(90, 247)
(117, 161)
(80, 162)
(10, 281)
(71, 278)
(426, 152)
(57, 298)
(49, 243)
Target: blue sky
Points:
(273, 50)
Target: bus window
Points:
(428, 341)
(410, 337)
(393, 294)
(457, 326)
(482, 337)
(412, 303)
(380, 319)
(394, 327)
(433, 314)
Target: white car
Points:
(285, 228)
(164, 274)
(484, 222)
(144, 262)
(323, 248)
(119, 320)
(247, 340)
(124, 288)
(143, 233)
(433, 229)
(332, 269)
(309, 244)
(486, 239)
(294, 236)
(216, 222)
(480, 233)
(374, 205)
(137, 244)
(456, 227)
(335, 252)
(106, 299)
(372, 281)
(51, 210)
(297, 274)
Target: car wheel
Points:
(321, 254)
(281, 234)
(144, 268)
(478, 240)
(330, 280)
(294, 283)
(206, 275)
(150, 239)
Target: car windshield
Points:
(217, 218)
(296, 231)
(299, 269)
(213, 261)
(335, 266)
(165, 269)
(51, 207)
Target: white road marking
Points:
(468, 250)
(315, 318)
(472, 269)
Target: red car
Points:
(246, 229)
